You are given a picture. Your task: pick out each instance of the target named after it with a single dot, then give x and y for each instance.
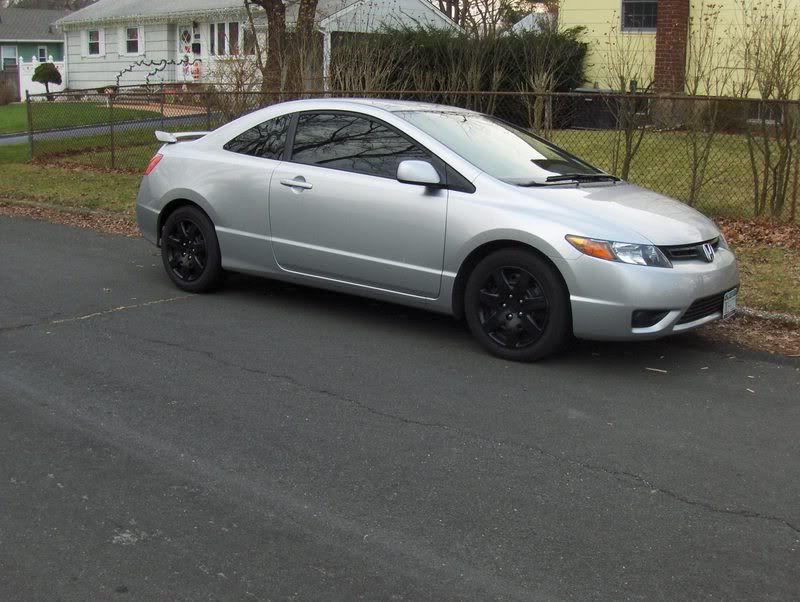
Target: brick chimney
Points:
(672, 34)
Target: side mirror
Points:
(418, 172)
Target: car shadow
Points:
(387, 317)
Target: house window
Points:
(225, 38)
(132, 40)
(221, 38)
(8, 56)
(42, 54)
(639, 15)
(94, 42)
(233, 38)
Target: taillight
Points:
(152, 165)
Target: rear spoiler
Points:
(177, 137)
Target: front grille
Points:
(707, 306)
(688, 252)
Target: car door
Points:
(337, 210)
(238, 180)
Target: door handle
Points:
(298, 184)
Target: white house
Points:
(136, 41)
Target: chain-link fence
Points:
(727, 157)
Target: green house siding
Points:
(28, 49)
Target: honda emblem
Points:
(708, 252)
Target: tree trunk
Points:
(272, 78)
(301, 47)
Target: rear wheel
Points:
(190, 251)
(517, 306)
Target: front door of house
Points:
(189, 52)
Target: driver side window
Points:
(352, 143)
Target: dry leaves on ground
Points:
(761, 233)
(770, 335)
(109, 223)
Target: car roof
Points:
(403, 105)
(385, 104)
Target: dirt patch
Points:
(754, 332)
(109, 223)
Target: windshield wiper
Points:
(583, 177)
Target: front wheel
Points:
(190, 251)
(517, 306)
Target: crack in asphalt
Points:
(118, 309)
(618, 474)
(21, 326)
(50, 320)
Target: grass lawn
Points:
(49, 115)
(662, 164)
(74, 188)
(770, 278)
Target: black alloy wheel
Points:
(190, 251)
(186, 250)
(517, 306)
(513, 308)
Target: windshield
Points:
(500, 149)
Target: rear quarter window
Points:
(266, 140)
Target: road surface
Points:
(271, 441)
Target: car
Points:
(440, 208)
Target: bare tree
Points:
(707, 73)
(766, 39)
(236, 80)
(269, 55)
(544, 58)
(457, 10)
(627, 69)
(303, 45)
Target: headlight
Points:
(620, 251)
(723, 244)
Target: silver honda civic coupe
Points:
(440, 208)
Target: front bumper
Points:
(604, 295)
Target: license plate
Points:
(729, 304)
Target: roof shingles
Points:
(21, 24)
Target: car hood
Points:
(659, 219)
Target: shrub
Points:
(441, 61)
(47, 73)
(451, 60)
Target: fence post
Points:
(30, 124)
(111, 129)
(793, 210)
(162, 105)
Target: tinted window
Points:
(266, 140)
(351, 143)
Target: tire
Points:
(190, 250)
(517, 306)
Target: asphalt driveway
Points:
(271, 442)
